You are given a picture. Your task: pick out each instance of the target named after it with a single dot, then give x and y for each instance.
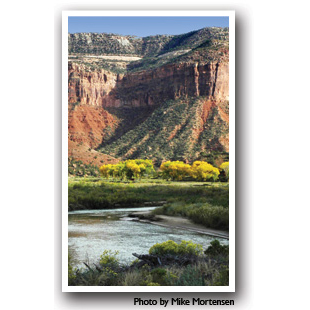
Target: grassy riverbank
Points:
(204, 203)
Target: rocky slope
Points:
(182, 129)
(171, 104)
(87, 126)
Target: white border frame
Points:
(231, 287)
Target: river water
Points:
(93, 231)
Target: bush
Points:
(108, 259)
(171, 247)
(191, 276)
(216, 249)
(222, 277)
(159, 276)
(110, 267)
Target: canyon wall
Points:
(89, 87)
(171, 82)
(145, 88)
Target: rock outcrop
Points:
(89, 87)
(145, 88)
(171, 82)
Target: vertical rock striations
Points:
(145, 88)
(89, 87)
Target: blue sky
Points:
(144, 26)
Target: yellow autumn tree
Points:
(225, 168)
(131, 168)
(175, 170)
(146, 166)
(202, 171)
(117, 170)
(104, 170)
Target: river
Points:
(93, 231)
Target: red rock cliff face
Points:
(87, 87)
(171, 82)
(101, 88)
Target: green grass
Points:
(211, 216)
(97, 193)
(203, 202)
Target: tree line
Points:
(169, 170)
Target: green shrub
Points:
(216, 249)
(159, 275)
(171, 247)
(191, 276)
(108, 259)
(110, 277)
(168, 247)
(221, 278)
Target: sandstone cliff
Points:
(89, 87)
(102, 88)
(170, 82)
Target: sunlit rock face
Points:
(106, 89)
